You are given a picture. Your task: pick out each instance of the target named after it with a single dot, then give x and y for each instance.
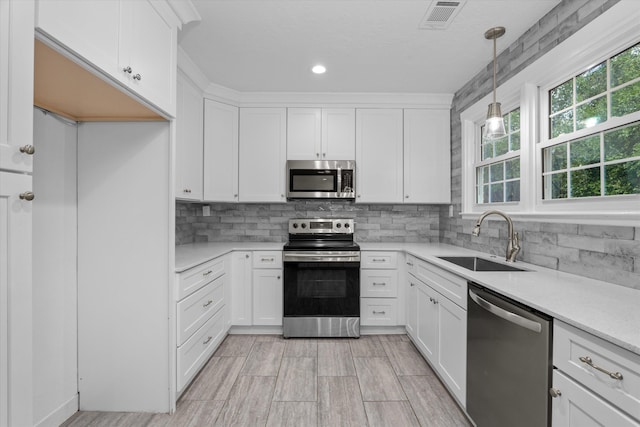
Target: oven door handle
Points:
(320, 258)
(505, 314)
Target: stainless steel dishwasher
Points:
(509, 364)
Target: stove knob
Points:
(338, 225)
(295, 225)
(303, 225)
(346, 225)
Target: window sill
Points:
(625, 219)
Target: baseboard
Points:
(61, 414)
(255, 330)
(382, 330)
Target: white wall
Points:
(55, 328)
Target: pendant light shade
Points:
(494, 126)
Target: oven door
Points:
(321, 286)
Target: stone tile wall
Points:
(250, 222)
(600, 252)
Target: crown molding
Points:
(185, 11)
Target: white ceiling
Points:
(366, 45)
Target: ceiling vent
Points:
(440, 14)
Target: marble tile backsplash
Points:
(250, 222)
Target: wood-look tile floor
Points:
(377, 380)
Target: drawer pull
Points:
(205, 274)
(379, 312)
(207, 304)
(587, 360)
(378, 260)
(268, 259)
(379, 284)
(205, 342)
(410, 264)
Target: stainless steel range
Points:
(321, 279)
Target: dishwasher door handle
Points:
(505, 314)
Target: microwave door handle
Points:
(505, 314)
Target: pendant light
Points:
(494, 126)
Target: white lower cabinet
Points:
(437, 326)
(267, 288)
(595, 382)
(379, 296)
(202, 316)
(241, 293)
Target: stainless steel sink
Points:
(479, 264)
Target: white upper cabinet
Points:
(134, 42)
(427, 158)
(263, 149)
(320, 134)
(188, 176)
(16, 86)
(379, 155)
(220, 152)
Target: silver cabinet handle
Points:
(412, 284)
(268, 259)
(406, 197)
(410, 264)
(554, 392)
(246, 256)
(324, 154)
(317, 154)
(235, 195)
(433, 300)
(278, 277)
(27, 149)
(205, 342)
(27, 195)
(379, 284)
(186, 190)
(127, 69)
(378, 260)
(137, 77)
(207, 304)
(205, 274)
(379, 312)
(587, 361)
(506, 315)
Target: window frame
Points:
(617, 29)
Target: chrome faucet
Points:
(513, 245)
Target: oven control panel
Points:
(320, 226)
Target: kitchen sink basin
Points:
(479, 264)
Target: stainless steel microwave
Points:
(321, 179)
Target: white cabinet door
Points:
(304, 134)
(452, 346)
(263, 146)
(379, 155)
(220, 152)
(188, 143)
(412, 308)
(427, 166)
(427, 324)
(148, 44)
(338, 134)
(576, 406)
(16, 85)
(267, 297)
(15, 301)
(241, 294)
(91, 29)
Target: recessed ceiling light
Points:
(319, 69)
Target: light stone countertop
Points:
(609, 311)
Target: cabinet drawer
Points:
(379, 283)
(193, 279)
(267, 259)
(378, 311)
(578, 407)
(570, 344)
(375, 259)
(194, 353)
(197, 308)
(451, 286)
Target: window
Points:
(572, 153)
(604, 163)
(499, 181)
(609, 89)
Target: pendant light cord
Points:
(494, 69)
